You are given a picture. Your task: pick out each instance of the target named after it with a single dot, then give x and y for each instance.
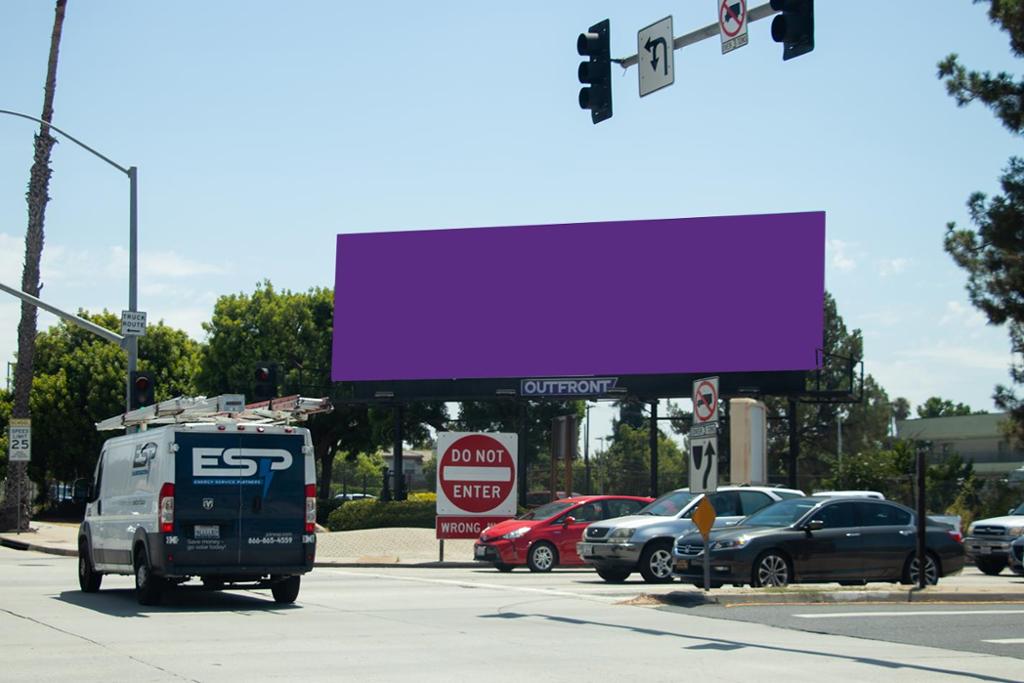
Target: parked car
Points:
(643, 542)
(849, 494)
(355, 496)
(988, 540)
(546, 537)
(807, 540)
(1017, 556)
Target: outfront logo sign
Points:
(567, 386)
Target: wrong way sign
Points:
(476, 474)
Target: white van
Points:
(230, 503)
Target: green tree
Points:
(864, 424)
(80, 380)
(625, 467)
(940, 407)
(502, 415)
(295, 331)
(992, 253)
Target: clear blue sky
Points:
(261, 130)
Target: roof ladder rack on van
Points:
(223, 408)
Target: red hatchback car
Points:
(546, 536)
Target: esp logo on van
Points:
(238, 462)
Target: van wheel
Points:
(286, 590)
(88, 578)
(148, 588)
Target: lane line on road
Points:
(918, 613)
(1005, 641)
(492, 586)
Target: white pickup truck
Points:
(988, 540)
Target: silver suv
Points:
(618, 547)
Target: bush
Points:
(418, 511)
(324, 507)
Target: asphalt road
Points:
(971, 628)
(422, 624)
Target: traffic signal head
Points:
(264, 381)
(143, 390)
(597, 72)
(794, 28)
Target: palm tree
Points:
(16, 493)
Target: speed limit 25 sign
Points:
(19, 440)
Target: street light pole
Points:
(132, 345)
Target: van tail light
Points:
(955, 535)
(310, 508)
(166, 508)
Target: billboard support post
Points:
(794, 443)
(399, 465)
(654, 449)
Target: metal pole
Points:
(586, 453)
(922, 580)
(133, 277)
(709, 31)
(523, 460)
(794, 443)
(399, 416)
(654, 448)
(707, 560)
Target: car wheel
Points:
(931, 570)
(213, 584)
(501, 567)
(148, 588)
(614, 575)
(286, 590)
(656, 562)
(88, 578)
(542, 557)
(990, 566)
(771, 569)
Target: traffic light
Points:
(794, 28)
(142, 391)
(597, 72)
(264, 381)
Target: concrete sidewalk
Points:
(407, 547)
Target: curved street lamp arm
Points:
(73, 139)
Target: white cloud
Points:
(840, 257)
(12, 252)
(893, 266)
(959, 315)
(172, 264)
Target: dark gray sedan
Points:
(807, 540)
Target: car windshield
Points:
(546, 510)
(668, 505)
(1020, 510)
(783, 513)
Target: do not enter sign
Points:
(476, 474)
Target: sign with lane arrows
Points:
(655, 50)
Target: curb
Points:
(21, 545)
(694, 599)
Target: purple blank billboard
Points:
(688, 295)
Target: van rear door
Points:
(239, 499)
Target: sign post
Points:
(476, 482)
(704, 461)
(19, 449)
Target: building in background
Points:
(978, 439)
